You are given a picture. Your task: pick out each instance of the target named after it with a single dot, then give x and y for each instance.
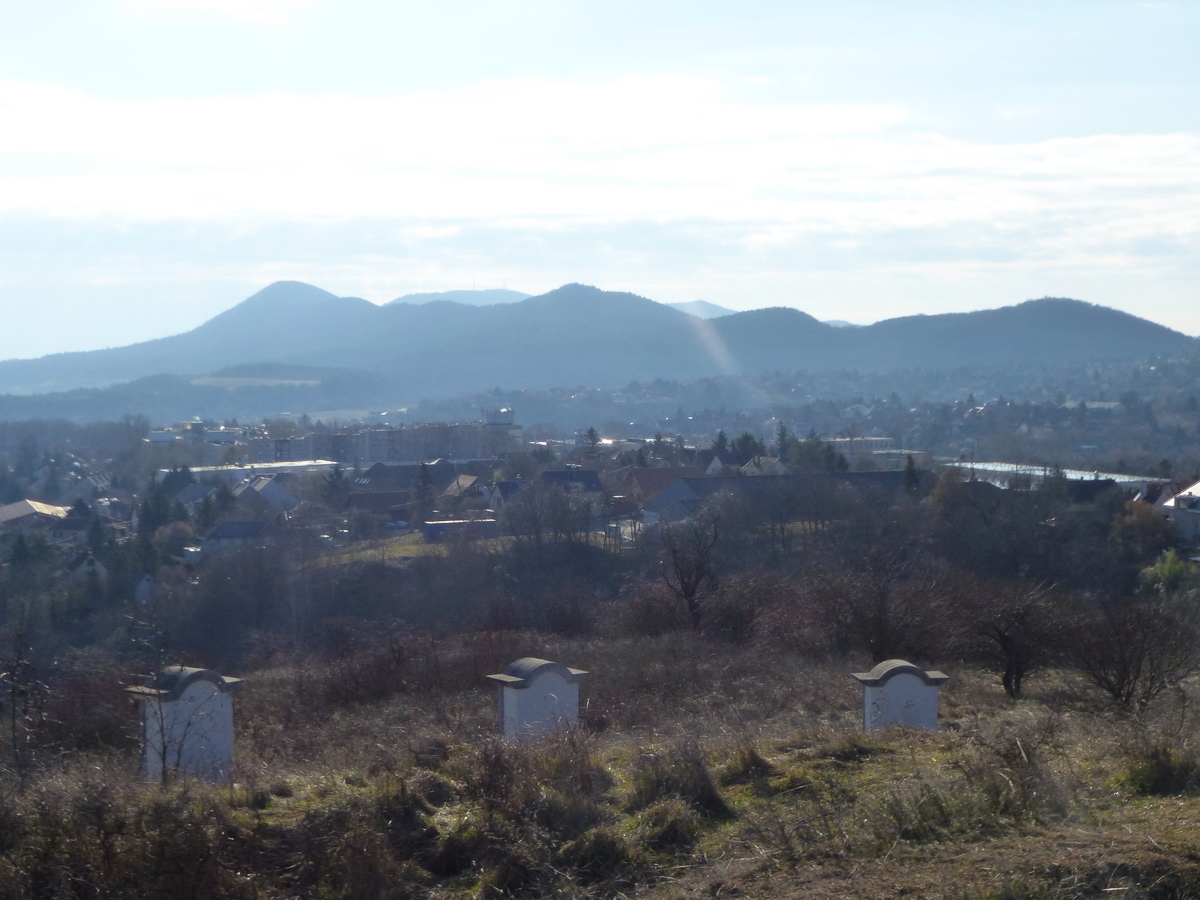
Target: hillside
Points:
(574, 335)
(381, 799)
(713, 740)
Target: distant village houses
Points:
(494, 435)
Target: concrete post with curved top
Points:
(896, 692)
(537, 696)
(187, 724)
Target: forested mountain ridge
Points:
(580, 335)
(482, 297)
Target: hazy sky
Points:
(161, 160)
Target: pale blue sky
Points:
(160, 160)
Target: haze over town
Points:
(164, 159)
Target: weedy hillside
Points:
(720, 750)
(702, 768)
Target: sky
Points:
(162, 160)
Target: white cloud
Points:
(786, 187)
(489, 125)
(659, 148)
(268, 12)
(662, 146)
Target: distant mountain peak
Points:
(279, 299)
(576, 289)
(1059, 309)
(482, 297)
(281, 296)
(779, 314)
(1048, 300)
(588, 296)
(290, 292)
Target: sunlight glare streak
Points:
(714, 345)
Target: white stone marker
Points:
(187, 723)
(896, 692)
(537, 696)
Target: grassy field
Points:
(413, 544)
(405, 545)
(702, 771)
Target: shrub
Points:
(668, 825)
(921, 813)
(1009, 770)
(431, 787)
(567, 815)
(281, 788)
(119, 840)
(1161, 770)
(598, 855)
(646, 611)
(680, 771)
(730, 614)
(455, 850)
(566, 759)
(747, 765)
(431, 754)
(403, 815)
(496, 779)
(848, 747)
(997, 788)
(783, 834)
(1134, 650)
(355, 846)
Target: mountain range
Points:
(491, 296)
(422, 346)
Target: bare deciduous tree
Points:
(24, 697)
(1020, 626)
(690, 563)
(1135, 649)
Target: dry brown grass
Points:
(708, 768)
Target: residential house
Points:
(69, 530)
(238, 536)
(465, 491)
(192, 496)
(503, 492)
(30, 515)
(638, 483)
(1184, 511)
(73, 529)
(716, 462)
(86, 487)
(575, 480)
(88, 569)
(764, 465)
(388, 507)
(407, 476)
(266, 495)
